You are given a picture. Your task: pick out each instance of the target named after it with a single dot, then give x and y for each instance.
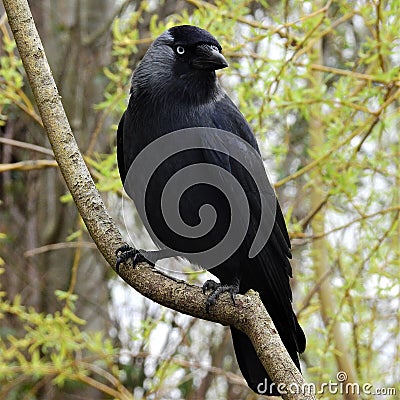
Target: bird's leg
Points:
(137, 256)
(217, 290)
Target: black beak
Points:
(208, 58)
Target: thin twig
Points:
(58, 246)
(25, 145)
(28, 165)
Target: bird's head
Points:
(181, 62)
(194, 49)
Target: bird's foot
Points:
(126, 252)
(210, 285)
(217, 290)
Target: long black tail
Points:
(250, 365)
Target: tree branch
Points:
(249, 315)
(28, 165)
(26, 145)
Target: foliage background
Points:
(319, 83)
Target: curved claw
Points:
(210, 285)
(233, 297)
(125, 253)
(233, 290)
(209, 303)
(123, 249)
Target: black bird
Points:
(175, 87)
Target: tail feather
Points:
(300, 336)
(250, 365)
